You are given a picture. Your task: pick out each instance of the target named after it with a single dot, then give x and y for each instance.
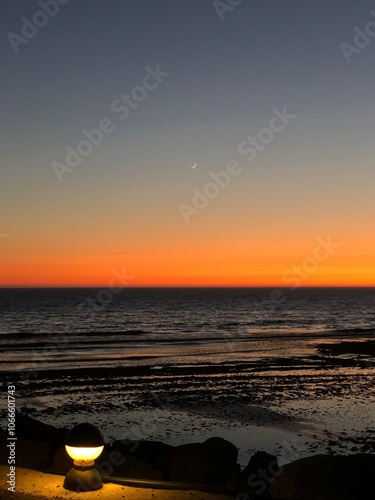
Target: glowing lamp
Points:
(84, 443)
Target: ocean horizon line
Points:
(270, 287)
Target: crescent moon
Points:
(194, 166)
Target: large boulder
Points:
(211, 462)
(131, 467)
(137, 459)
(29, 428)
(326, 477)
(258, 474)
(149, 451)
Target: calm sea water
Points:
(60, 328)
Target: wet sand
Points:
(292, 406)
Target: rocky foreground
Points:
(213, 462)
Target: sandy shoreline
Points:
(32, 485)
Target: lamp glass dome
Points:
(84, 435)
(84, 454)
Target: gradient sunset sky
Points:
(120, 207)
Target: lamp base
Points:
(83, 479)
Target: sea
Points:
(184, 364)
(63, 327)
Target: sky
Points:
(169, 84)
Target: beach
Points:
(291, 407)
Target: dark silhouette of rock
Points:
(326, 477)
(258, 474)
(211, 462)
(135, 468)
(149, 451)
(29, 428)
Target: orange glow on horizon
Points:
(112, 273)
(203, 262)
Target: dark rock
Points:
(258, 474)
(221, 451)
(132, 467)
(149, 451)
(211, 462)
(326, 477)
(29, 428)
(188, 464)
